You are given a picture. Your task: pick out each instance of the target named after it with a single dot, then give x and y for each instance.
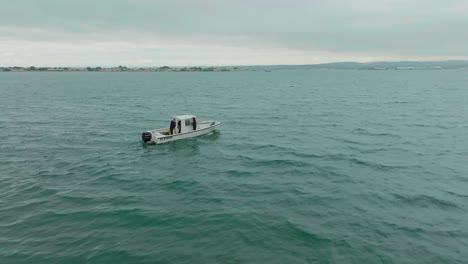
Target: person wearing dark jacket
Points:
(179, 126)
(194, 123)
(173, 125)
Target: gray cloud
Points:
(385, 29)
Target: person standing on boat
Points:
(179, 126)
(194, 124)
(173, 125)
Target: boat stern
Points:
(147, 137)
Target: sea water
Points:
(321, 166)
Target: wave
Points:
(429, 126)
(366, 132)
(366, 163)
(239, 173)
(401, 102)
(425, 201)
(375, 150)
(297, 231)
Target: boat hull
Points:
(158, 138)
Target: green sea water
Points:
(322, 166)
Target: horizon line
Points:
(240, 65)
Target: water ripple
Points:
(309, 167)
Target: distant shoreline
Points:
(383, 65)
(73, 69)
(120, 69)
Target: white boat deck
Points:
(164, 132)
(184, 123)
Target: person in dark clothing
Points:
(194, 123)
(179, 125)
(173, 125)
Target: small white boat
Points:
(184, 128)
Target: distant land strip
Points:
(120, 69)
(383, 65)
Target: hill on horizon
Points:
(447, 64)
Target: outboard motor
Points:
(146, 136)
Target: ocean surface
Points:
(321, 166)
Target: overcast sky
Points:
(216, 32)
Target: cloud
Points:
(226, 32)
